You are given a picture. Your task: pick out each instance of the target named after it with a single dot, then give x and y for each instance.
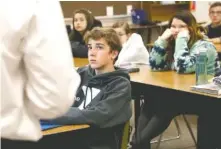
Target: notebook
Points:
(210, 88)
(46, 125)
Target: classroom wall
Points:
(202, 10)
(98, 8)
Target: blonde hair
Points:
(123, 25)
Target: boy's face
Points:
(215, 14)
(100, 56)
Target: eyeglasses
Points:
(215, 12)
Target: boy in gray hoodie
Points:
(102, 100)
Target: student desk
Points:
(167, 84)
(79, 62)
(64, 129)
(218, 47)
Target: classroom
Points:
(111, 75)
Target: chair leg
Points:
(190, 129)
(178, 133)
(159, 141)
(171, 138)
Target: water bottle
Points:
(201, 68)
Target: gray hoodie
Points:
(102, 100)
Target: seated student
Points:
(175, 49)
(83, 21)
(134, 50)
(214, 29)
(102, 100)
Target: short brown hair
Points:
(123, 25)
(108, 34)
(216, 4)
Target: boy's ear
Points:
(114, 54)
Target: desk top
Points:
(166, 79)
(218, 47)
(64, 129)
(79, 62)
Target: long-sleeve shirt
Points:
(133, 51)
(37, 76)
(184, 58)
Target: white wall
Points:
(202, 11)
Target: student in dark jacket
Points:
(102, 100)
(83, 21)
(214, 29)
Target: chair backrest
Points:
(122, 135)
(125, 136)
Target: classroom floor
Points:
(185, 141)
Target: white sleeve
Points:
(52, 81)
(136, 53)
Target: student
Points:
(83, 21)
(134, 50)
(175, 49)
(32, 59)
(214, 29)
(102, 100)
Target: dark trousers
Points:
(157, 114)
(13, 144)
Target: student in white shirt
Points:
(133, 49)
(37, 76)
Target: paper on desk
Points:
(46, 125)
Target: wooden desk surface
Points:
(166, 79)
(64, 129)
(218, 47)
(79, 62)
